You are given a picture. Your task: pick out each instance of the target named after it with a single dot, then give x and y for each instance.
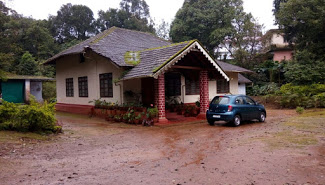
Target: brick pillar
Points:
(156, 92)
(204, 93)
(161, 99)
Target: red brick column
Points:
(204, 93)
(161, 99)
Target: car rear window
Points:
(221, 100)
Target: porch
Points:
(185, 78)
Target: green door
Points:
(13, 91)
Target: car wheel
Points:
(237, 121)
(211, 122)
(262, 117)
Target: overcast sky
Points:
(159, 9)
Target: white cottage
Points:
(119, 62)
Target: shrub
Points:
(34, 117)
(300, 110)
(49, 91)
(306, 96)
(7, 111)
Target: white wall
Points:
(242, 88)
(36, 90)
(70, 67)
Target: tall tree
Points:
(210, 21)
(303, 24)
(72, 22)
(163, 29)
(133, 14)
(243, 43)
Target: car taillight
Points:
(229, 108)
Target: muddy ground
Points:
(286, 149)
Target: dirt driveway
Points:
(283, 150)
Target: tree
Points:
(305, 69)
(209, 21)
(27, 65)
(162, 30)
(72, 22)
(303, 23)
(243, 43)
(276, 7)
(133, 14)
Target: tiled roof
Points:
(12, 76)
(242, 79)
(232, 68)
(114, 43)
(151, 59)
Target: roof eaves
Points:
(175, 58)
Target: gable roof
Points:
(155, 61)
(242, 79)
(114, 43)
(233, 68)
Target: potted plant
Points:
(138, 119)
(117, 118)
(125, 118)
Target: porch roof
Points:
(154, 61)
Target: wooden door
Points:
(148, 91)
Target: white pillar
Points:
(27, 90)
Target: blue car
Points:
(234, 109)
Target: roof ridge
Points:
(148, 33)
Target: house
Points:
(118, 61)
(242, 81)
(18, 88)
(276, 45)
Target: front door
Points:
(148, 91)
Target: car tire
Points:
(237, 121)
(211, 122)
(262, 117)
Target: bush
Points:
(49, 91)
(306, 96)
(258, 90)
(300, 110)
(34, 117)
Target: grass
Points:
(298, 132)
(15, 137)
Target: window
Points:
(249, 101)
(221, 100)
(192, 86)
(69, 87)
(173, 84)
(106, 85)
(239, 101)
(222, 86)
(83, 86)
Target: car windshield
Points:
(221, 100)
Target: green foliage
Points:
(303, 24)
(302, 95)
(49, 90)
(133, 14)
(305, 69)
(266, 89)
(72, 22)
(152, 112)
(209, 21)
(34, 117)
(300, 110)
(7, 111)
(27, 65)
